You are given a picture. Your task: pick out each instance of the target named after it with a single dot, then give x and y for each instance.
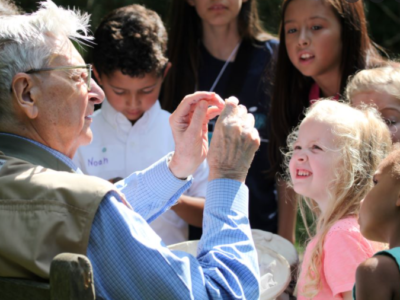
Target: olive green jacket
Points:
(45, 208)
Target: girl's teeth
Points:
(303, 173)
(306, 56)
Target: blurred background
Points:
(383, 17)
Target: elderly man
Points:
(47, 98)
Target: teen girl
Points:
(220, 46)
(323, 42)
(332, 157)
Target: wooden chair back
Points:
(71, 278)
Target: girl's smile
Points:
(314, 161)
(218, 7)
(305, 57)
(303, 174)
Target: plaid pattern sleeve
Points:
(131, 262)
(154, 190)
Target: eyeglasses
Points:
(88, 67)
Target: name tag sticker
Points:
(100, 160)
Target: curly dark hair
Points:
(131, 39)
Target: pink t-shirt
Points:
(344, 249)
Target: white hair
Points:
(27, 42)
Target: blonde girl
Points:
(379, 87)
(333, 154)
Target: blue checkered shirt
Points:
(131, 262)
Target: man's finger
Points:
(248, 121)
(198, 118)
(184, 108)
(233, 99)
(256, 136)
(231, 107)
(242, 111)
(212, 112)
(187, 103)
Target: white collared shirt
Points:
(118, 149)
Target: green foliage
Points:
(384, 24)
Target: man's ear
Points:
(97, 75)
(167, 67)
(191, 2)
(26, 94)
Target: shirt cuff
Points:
(227, 193)
(160, 180)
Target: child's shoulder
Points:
(346, 234)
(378, 275)
(349, 224)
(164, 113)
(158, 112)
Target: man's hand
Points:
(189, 128)
(234, 142)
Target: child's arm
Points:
(377, 278)
(190, 209)
(287, 208)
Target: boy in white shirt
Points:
(131, 131)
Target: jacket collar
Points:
(21, 148)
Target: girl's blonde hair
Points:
(363, 140)
(383, 79)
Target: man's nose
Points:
(96, 93)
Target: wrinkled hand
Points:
(234, 143)
(189, 124)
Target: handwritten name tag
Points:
(103, 161)
(93, 162)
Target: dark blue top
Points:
(254, 94)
